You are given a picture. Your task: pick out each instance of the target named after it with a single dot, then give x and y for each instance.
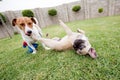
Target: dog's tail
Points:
(66, 28)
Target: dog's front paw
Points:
(34, 52)
(46, 48)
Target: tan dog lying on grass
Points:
(73, 40)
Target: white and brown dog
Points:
(29, 30)
(73, 40)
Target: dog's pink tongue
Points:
(92, 53)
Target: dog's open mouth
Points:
(92, 53)
(27, 34)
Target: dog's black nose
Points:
(29, 32)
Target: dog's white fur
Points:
(36, 31)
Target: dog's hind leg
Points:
(80, 31)
(66, 28)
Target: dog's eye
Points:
(29, 23)
(81, 47)
(22, 24)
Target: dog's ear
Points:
(14, 22)
(75, 47)
(34, 20)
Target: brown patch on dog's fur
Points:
(22, 22)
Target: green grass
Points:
(104, 35)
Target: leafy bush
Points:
(3, 18)
(52, 12)
(27, 13)
(100, 10)
(76, 8)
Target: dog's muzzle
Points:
(29, 33)
(92, 53)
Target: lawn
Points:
(104, 35)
